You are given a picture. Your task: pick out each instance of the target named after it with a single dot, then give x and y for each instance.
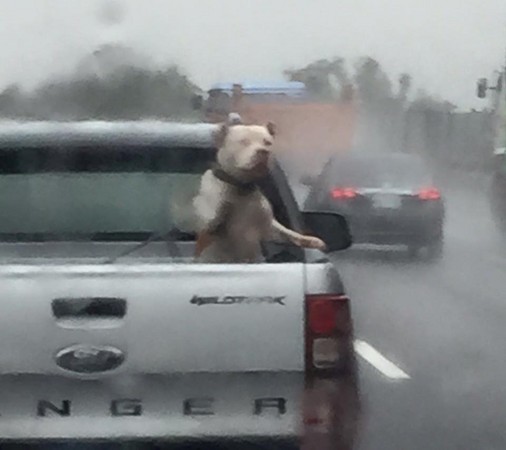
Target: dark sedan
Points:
(388, 199)
(498, 190)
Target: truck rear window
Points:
(86, 192)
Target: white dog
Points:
(233, 215)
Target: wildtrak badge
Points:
(237, 300)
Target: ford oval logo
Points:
(88, 359)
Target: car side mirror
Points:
(330, 227)
(482, 88)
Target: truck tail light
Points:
(329, 333)
(330, 401)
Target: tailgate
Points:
(176, 318)
(170, 407)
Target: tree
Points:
(372, 83)
(405, 82)
(115, 83)
(425, 101)
(326, 79)
(11, 101)
(111, 58)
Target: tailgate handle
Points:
(89, 308)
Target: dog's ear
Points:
(271, 128)
(220, 135)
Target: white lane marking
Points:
(377, 360)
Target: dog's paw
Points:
(313, 242)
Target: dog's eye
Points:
(267, 143)
(245, 142)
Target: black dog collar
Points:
(243, 187)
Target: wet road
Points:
(435, 336)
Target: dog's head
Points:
(244, 150)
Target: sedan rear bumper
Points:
(384, 230)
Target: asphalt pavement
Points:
(431, 337)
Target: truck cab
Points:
(497, 194)
(498, 189)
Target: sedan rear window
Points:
(402, 172)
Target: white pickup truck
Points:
(109, 330)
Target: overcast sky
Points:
(445, 44)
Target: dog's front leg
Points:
(298, 239)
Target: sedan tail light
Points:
(429, 194)
(343, 193)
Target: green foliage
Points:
(330, 79)
(113, 83)
(324, 79)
